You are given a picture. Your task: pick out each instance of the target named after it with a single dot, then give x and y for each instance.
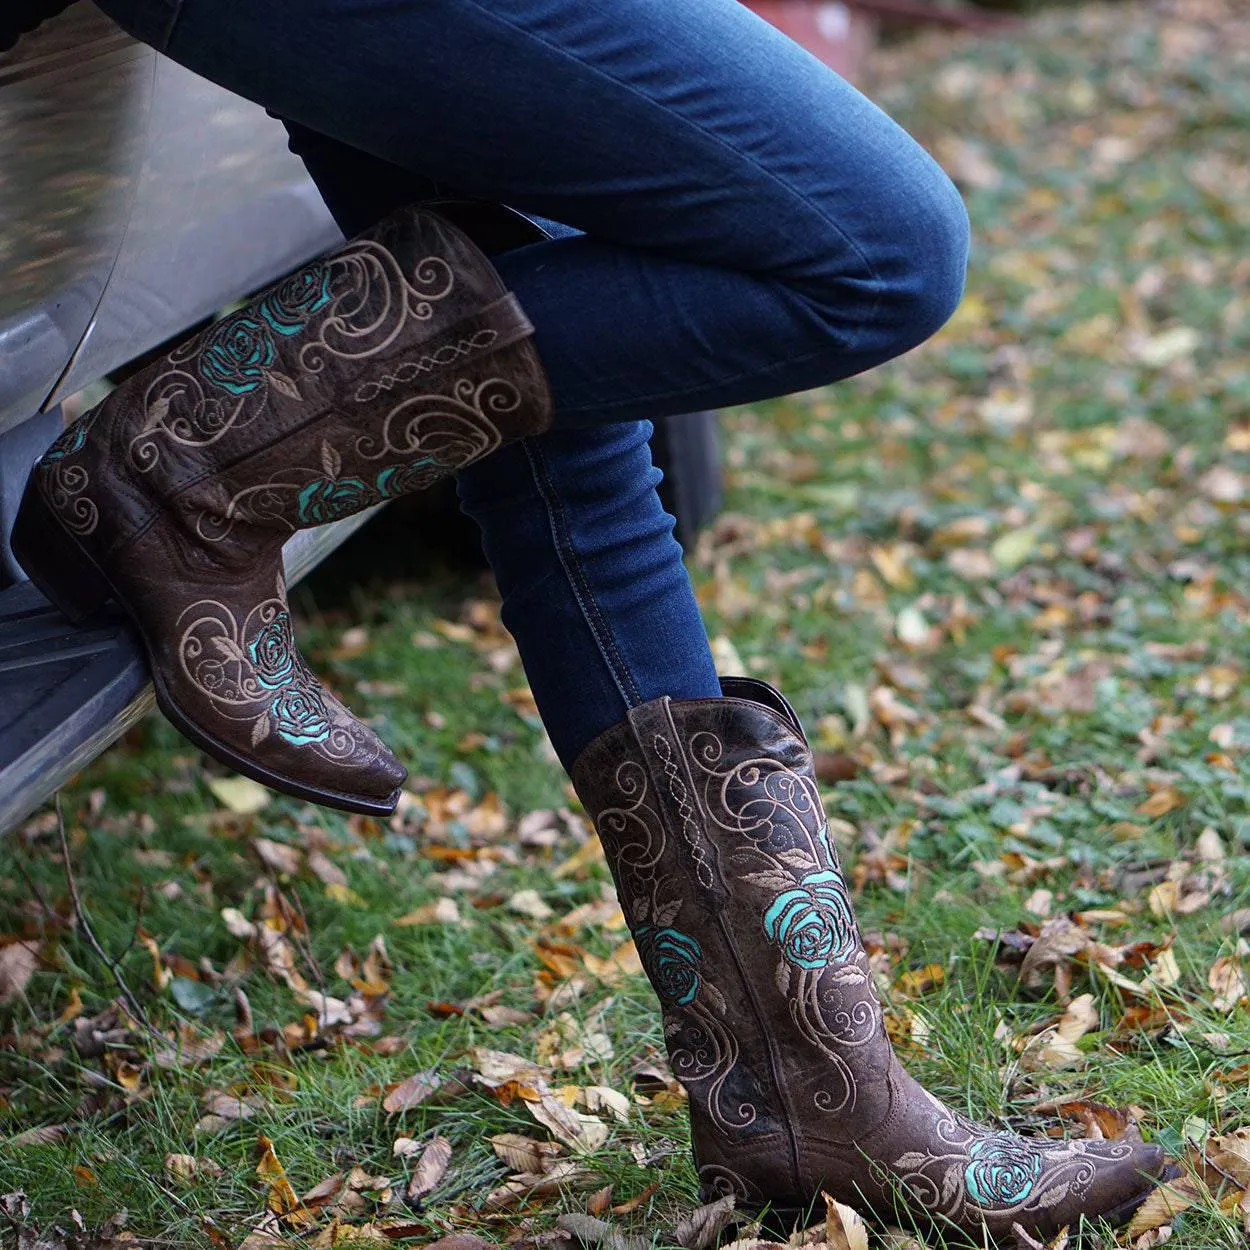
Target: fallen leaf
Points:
(277, 856)
(240, 795)
(1163, 1204)
(412, 1091)
(444, 911)
(1225, 977)
(593, 1232)
(430, 1169)
(844, 1227)
(180, 1167)
(700, 1229)
(18, 961)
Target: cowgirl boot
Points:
(365, 375)
(710, 817)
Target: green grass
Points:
(1086, 421)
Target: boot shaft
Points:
(359, 377)
(711, 820)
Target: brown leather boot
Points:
(709, 813)
(362, 376)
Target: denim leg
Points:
(593, 585)
(751, 224)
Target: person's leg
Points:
(593, 585)
(594, 589)
(753, 225)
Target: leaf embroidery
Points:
(769, 880)
(284, 385)
(912, 1160)
(157, 413)
(797, 859)
(664, 916)
(715, 998)
(260, 730)
(331, 461)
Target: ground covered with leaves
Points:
(1006, 582)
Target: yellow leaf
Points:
(1161, 802)
(891, 563)
(281, 1198)
(1011, 549)
(1162, 1206)
(240, 795)
(344, 895)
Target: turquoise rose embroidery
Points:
(812, 923)
(400, 479)
(272, 653)
(328, 499)
(671, 960)
(290, 304)
(236, 354)
(1001, 1170)
(300, 717)
(72, 440)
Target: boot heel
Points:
(54, 561)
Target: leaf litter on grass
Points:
(1004, 580)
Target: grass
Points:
(1003, 579)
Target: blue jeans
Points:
(739, 223)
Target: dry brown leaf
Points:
(1058, 941)
(844, 1227)
(326, 870)
(18, 961)
(1231, 1154)
(700, 1229)
(632, 1204)
(180, 1167)
(582, 1133)
(593, 1232)
(1164, 1203)
(1169, 799)
(1056, 1047)
(277, 856)
(525, 1154)
(444, 911)
(430, 1169)
(1226, 978)
(411, 1092)
(460, 1241)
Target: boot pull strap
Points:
(755, 691)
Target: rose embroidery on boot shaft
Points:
(329, 499)
(272, 652)
(1001, 1170)
(236, 354)
(671, 960)
(813, 923)
(300, 717)
(400, 479)
(290, 304)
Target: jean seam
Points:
(566, 552)
(707, 136)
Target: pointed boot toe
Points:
(1125, 1174)
(365, 375)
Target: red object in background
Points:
(838, 34)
